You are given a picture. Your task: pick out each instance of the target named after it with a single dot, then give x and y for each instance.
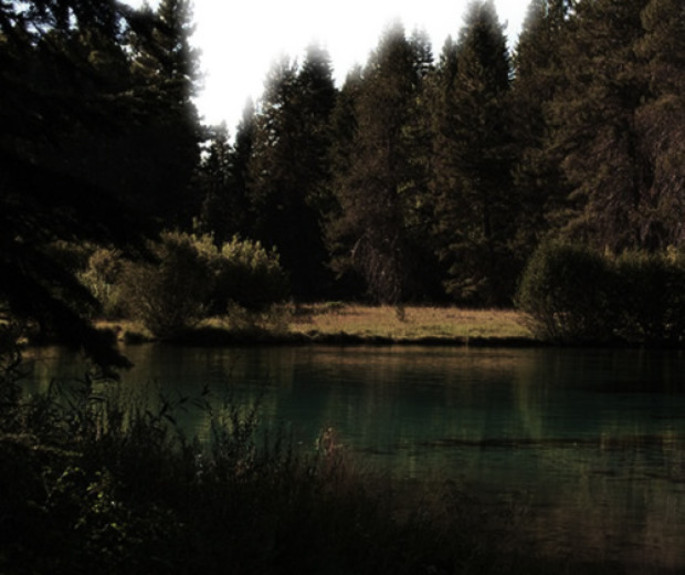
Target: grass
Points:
(338, 321)
(409, 323)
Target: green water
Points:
(590, 442)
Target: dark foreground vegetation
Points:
(91, 484)
(94, 483)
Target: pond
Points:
(591, 442)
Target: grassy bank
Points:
(408, 323)
(337, 322)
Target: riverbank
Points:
(338, 323)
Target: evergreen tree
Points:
(212, 183)
(595, 133)
(661, 121)
(167, 66)
(538, 74)
(383, 177)
(475, 208)
(241, 219)
(75, 153)
(289, 167)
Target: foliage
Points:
(94, 144)
(566, 291)
(248, 275)
(172, 294)
(288, 168)
(193, 278)
(417, 181)
(101, 276)
(574, 294)
(379, 193)
(538, 180)
(474, 209)
(650, 299)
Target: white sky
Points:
(239, 44)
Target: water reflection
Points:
(592, 440)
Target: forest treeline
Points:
(421, 178)
(428, 178)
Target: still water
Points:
(591, 442)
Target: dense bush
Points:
(650, 299)
(101, 276)
(189, 279)
(572, 294)
(248, 275)
(565, 290)
(172, 293)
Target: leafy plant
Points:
(565, 290)
(651, 298)
(248, 275)
(171, 294)
(101, 276)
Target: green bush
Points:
(171, 294)
(101, 277)
(192, 279)
(566, 292)
(572, 294)
(650, 300)
(248, 275)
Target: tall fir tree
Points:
(661, 121)
(167, 65)
(383, 178)
(289, 167)
(212, 183)
(595, 132)
(475, 208)
(538, 75)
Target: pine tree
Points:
(212, 183)
(382, 179)
(538, 75)
(661, 121)
(471, 181)
(167, 66)
(289, 167)
(595, 132)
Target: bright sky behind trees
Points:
(239, 44)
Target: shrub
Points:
(101, 277)
(248, 275)
(651, 299)
(193, 278)
(170, 295)
(565, 290)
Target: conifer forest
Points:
(431, 175)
